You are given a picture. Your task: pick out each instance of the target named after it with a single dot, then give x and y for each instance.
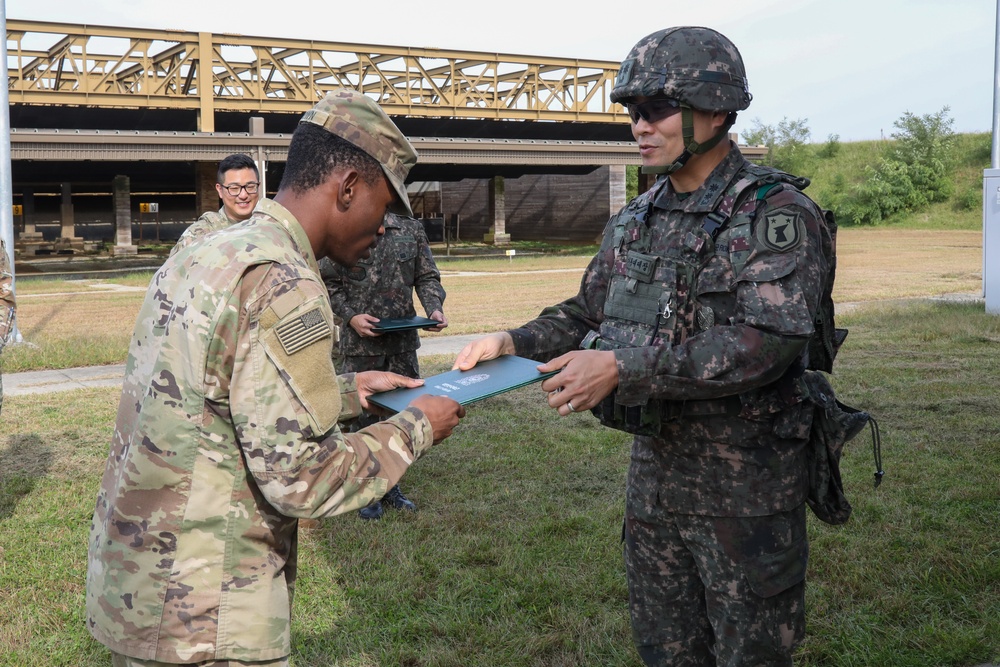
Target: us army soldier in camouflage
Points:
(693, 319)
(8, 306)
(227, 430)
(238, 183)
(380, 287)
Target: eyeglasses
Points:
(234, 189)
(654, 110)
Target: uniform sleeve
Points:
(561, 328)
(206, 222)
(333, 278)
(286, 399)
(777, 298)
(427, 277)
(8, 307)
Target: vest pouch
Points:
(643, 291)
(635, 419)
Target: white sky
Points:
(849, 67)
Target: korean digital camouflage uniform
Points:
(382, 285)
(709, 363)
(227, 433)
(8, 307)
(207, 222)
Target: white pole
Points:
(995, 152)
(6, 186)
(991, 197)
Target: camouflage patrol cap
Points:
(697, 66)
(355, 117)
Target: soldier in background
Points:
(227, 429)
(380, 287)
(691, 330)
(8, 306)
(238, 183)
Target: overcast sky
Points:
(848, 67)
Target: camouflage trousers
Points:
(404, 363)
(119, 660)
(715, 590)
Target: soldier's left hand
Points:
(438, 316)
(373, 382)
(587, 376)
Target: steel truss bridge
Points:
(115, 67)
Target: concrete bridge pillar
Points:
(497, 235)
(68, 232)
(123, 217)
(205, 196)
(28, 234)
(616, 187)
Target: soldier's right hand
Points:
(363, 323)
(484, 349)
(444, 414)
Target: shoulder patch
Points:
(781, 230)
(300, 332)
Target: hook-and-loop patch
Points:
(302, 331)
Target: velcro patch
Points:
(302, 331)
(781, 230)
(625, 73)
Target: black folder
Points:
(488, 378)
(390, 324)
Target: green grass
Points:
(514, 557)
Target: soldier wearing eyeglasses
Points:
(692, 331)
(238, 185)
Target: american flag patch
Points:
(302, 331)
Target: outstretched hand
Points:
(444, 413)
(585, 378)
(373, 382)
(484, 349)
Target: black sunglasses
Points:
(653, 111)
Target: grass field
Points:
(514, 557)
(70, 323)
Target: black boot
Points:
(396, 498)
(373, 512)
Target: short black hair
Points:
(235, 161)
(314, 154)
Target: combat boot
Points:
(396, 498)
(373, 512)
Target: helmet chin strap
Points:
(691, 147)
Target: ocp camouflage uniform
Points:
(382, 285)
(708, 364)
(8, 307)
(207, 222)
(227, 433)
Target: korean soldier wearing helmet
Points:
(690, 330)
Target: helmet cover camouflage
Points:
(697, 66)
(355, 117)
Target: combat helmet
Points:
(698, 67)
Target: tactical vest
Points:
(650, 299)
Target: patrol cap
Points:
(355, 117)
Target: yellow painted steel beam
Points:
(55, 63)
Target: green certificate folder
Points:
(488, 378)
(390, 324)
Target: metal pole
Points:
(995, 152)
(6, 185)
(991, 197)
